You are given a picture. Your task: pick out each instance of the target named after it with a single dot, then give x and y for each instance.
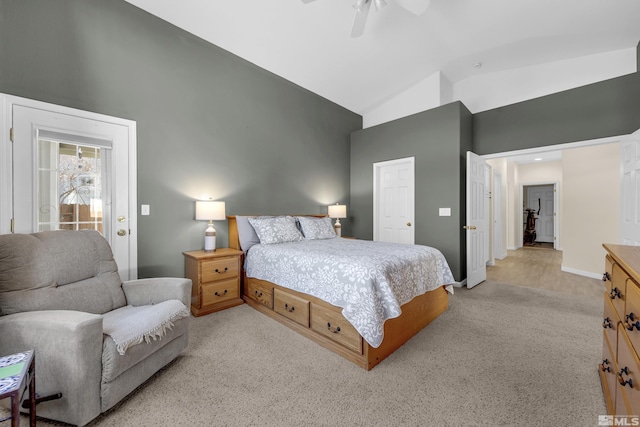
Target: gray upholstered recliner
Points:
(96, 338)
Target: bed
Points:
(360, 307)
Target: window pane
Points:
(69, 186)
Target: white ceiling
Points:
(310, 44)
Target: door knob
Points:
(409, 224)
(121, 218)
(122, 232)
(470, 227)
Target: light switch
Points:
(445, 211)
(144, 210)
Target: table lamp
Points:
(209, 210)
(337, 211)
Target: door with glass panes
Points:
(73, 173)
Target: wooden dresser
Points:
(620, 366)
(215, 279)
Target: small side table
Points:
(215, 279)
(17, 371)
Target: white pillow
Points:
(246, 234)
(280, 229)
(316, 228)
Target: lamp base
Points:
(210, 239)
(338, 228)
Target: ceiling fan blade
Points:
(361, 19)
(417, 7)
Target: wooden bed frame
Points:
(324, 324)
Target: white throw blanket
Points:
(130, 325)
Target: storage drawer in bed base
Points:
(416, 314)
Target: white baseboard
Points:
(460, 284)
(581, 272)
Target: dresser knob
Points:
(606, 276)
(621, 379)
(258, 294)
(221, 295)
(334, 330)
(221, 272)
(607, 323)
(629, 322)
(289, 309)
(605, 368)
(615, 292)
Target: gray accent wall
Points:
(599, 110)
(210, 124)
(438, 139)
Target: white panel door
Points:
(477, 226)
(630, 192)
(541, 199)
(394, 201)
(35, 128)
(498, 249)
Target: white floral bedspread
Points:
(369, 280)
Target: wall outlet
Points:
(144, 210)
(445, 211)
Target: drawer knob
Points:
(289, 308)
(218, 294)
(606, 276)
(222, 272)
(258, 294)
(605, 368)
(629, 322)
(615, 293)
(621, 379)
(334, 330)
(607, 323)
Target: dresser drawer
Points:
(608, 273)
(260, 293)
(609, 371)
(220, 291)
(291, 306)
(618, 291)
(631, 319)
(219, 269)
(628, 376)
(333, 325)
(610, 322)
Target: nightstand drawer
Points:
(219, 269)
(220, 291)
(291, 306)
(333, 325)
(260, 293)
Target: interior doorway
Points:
(393, 201)
(539, 215)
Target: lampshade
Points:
(337, 211)
(209, 210)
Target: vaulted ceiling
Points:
(310, 44)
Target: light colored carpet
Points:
(500, 356)
(541, 267)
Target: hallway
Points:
(540, 267)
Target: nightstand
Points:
(215, 279)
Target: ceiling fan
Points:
(417, 7)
